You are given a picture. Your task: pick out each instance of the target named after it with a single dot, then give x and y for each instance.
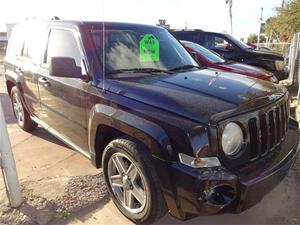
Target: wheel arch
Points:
(107, 123)
(104, 118)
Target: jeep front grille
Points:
(268, 130)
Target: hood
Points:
(266, 54)
(196, 95)
(248, 70)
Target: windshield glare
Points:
(212, 57)
(140, 47)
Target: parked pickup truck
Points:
(168, 134)
(235, 50)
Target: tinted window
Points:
(16, 42)
(215, 42)
(238, 43)
(62, 43)
(125, 48)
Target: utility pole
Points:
(8, 166)
(260, 22)
(229, 2)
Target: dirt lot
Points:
(61, 187)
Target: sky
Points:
(210, 15)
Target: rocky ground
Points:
(52, 200)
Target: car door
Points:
(63, 99)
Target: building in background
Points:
(163, 23)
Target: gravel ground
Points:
(79, 193)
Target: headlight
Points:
(279, 65)
(232, 139)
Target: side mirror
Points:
(64, 67)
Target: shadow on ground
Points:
(45, 135)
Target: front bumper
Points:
(209, 191)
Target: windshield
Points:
(209, 55)
(238, 43)
(140, 47)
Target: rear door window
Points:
(15, 43)
(35, 43)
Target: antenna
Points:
(103, 48)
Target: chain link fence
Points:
(282, 48)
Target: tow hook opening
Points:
(221, 195)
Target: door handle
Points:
(44, 81)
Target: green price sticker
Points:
(149, 48)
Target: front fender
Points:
(149, 133)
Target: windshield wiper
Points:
(186, 67)
(140, 70)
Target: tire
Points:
(123, 154)
(23, 118)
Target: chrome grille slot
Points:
(283, 116)
(278, 125)
(264, 134)
(268, 130)
(272, 128)
(253, 131)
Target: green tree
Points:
(253, 38)
(286, 22)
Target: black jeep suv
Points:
(167, 133)
(235, 50)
